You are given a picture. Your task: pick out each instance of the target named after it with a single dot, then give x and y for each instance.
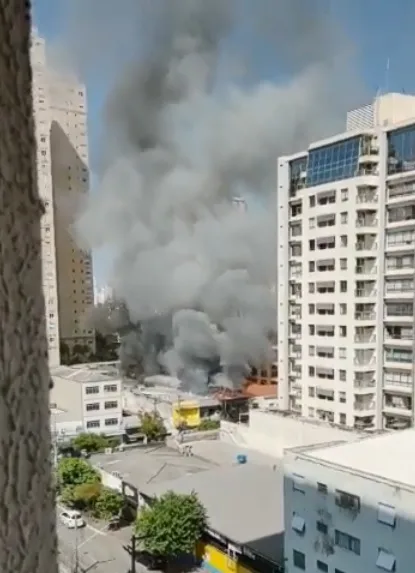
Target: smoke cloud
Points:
(187, 126)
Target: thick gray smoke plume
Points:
(181, 138)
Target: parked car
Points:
(72, 518)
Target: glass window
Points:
(93, 424)
(92, 406)
(333, 162)
(401, 150)
(299, 560)
(297, 166)
(92, 390)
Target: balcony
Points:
(366, 270)
(295, 335)
(364, 386)
(399, 336)
(403, 191)
(397, 386)
(400, 265)
(367, 406)
(365, 315)
(400, 313)
(398, 406)
(365, 293)
(368, 222)
(400, 215)
(402, 358)
(364, 362)
(366, 246)
(365, 338)
(368, 197)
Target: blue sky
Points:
(380, 30)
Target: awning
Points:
(386, 514)
(386, 560)
(298, 523)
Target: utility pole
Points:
(133, 553)
(76, 570)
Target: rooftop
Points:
(150, 465)
(244, 503)
(388, 456)
(87, 373)
(65, 401)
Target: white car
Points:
(72, 519)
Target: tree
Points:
(28, 540)
(90, 442)
(108, 504)
(152, 425)
(82, 496)
(75, 471)
(172, 525)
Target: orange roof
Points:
(260, 390)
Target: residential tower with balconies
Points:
(346, 267)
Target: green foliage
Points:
(108, 504)
(172, 525)
(152, 425)
(75, 471)
(86, 495)
(208, 424)
(93, 442)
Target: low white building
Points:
(350, 507)
(86, 398)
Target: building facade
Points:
(63, 179)
(41, 108)
(87, 398)
(346, 264)
(70, 179)
(350, 508)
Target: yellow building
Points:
(244, 505)
(186, 413)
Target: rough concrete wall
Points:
(27, 513)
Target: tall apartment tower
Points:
(41, 108)
(62, 167)
(70, 180)
(346, 269)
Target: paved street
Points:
(98, 551)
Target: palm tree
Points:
(27, 513)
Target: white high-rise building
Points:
(346, 268)
(62, 169)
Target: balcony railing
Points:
(367, 198)
(365, 315)
(403, 312)
(365, 339)
(366, 246)
(361, 384)
(364, 361)
(398, 288)
(391, 336)
(367, 222)
(407, 407)
(397, 358)
(365, 270)
(362, 293)
(364, 406)
(398, 384)
(400, 266)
